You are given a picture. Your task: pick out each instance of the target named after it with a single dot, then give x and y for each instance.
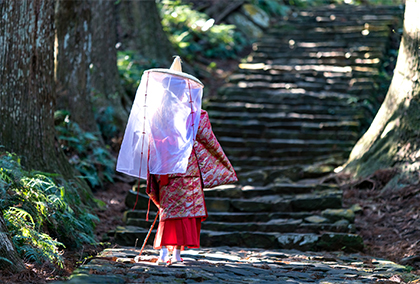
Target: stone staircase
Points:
(286, 119)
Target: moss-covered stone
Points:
(316, 219)
(142, 201)
(216, 204)
(257, 15)
(340, 241)
(245, 26)
(338, 214)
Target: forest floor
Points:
(389, 220)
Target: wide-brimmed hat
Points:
(176, 69)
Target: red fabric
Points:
(183, 196)
(163, 180)
(184, 232)
(215, 167)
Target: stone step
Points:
(311, 154)
(303, 126)
(281, 116)
(320, 41)
(309, 70)
(343, 34)
(347, 18)
(320, 47)
(134, 236)
(286, 96)
(273, 225)
(326, 216)
(325, 241)
(256, 162)
(365, 11)
(215, 107)
(289, 72)
(342, 87)
(275, 144)
(238, 191)
(286, 134)
(337, 54)
(288, 100)
(294, 80)
(318, 200)
(302, 171)
(350, 61)
(285, 100)
(278, 226)
(285, 28)
(224, 216)
(320, 34)
(326, 22)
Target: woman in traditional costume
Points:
(169, 142)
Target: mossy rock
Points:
(256, 15)
(340, 241)
(339, 214)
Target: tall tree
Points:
(26, 92)
(106, 89)
(26, 82)
(141, 30)
(393, 139)
(27, 89)
(74, 48)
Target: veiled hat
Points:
(163, 123)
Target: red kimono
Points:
(180, 197)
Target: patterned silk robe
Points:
(181, 195)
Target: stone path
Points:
(286, 119)
(240, 265)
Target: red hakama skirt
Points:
(184, 232)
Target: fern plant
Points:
(41, 215)
(84, 151)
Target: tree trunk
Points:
(74, 47)
(141, 30)
(27, 90)
(106, 89)
(8, 251)
(393, 139)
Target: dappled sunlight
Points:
(319, 68)
(252, 66)
(244, 84)
(390, 126)
(324, 68)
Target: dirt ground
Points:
(389, 220)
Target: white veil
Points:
(163, 124)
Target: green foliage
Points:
(42, 216)
(105, 121)
(273, 7)
(193, 33)
(130, 67)
(84, 150)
